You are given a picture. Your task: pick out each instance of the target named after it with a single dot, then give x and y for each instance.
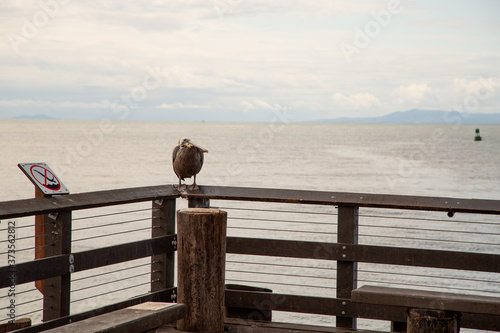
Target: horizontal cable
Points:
(283, 265)
(425, 229)
(109, 224)
(31, 301)
(280, 283)
(429, 239)
(110, 214)
(429, 276)
(109, 282)
(303, 231)
(112, 234)
(427, 286)
(429, 219)
(105, 273)
(286, 221)
(27, 249)
(278, 211)
(282, 274)
(27, 313)
(112, 291)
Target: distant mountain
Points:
(415, 116)
(37, 116)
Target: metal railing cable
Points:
(429, 219)
(113, 291)
(112, 224)
(112, 234)
(110, 282)
(110, 272)
(112, 214)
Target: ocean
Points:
(433, 160)
(406, 159)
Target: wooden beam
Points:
(347, 270)
(138, 318)
(57, 290)
(426, 299)
(156, 296)
(28, 207)
(484, 262)
(163, 265)
(444, 204)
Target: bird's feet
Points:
(193, 187)
(182, 187)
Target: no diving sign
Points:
(43, 178)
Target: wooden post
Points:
(56, 290)
(163, 265)
(201, 250)
(435, 321)
(198, 203)
(347, 270)
(39, 238)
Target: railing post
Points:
(163, 265)
(347, 271)
(198, 202)
(57, 290)
(201, 254)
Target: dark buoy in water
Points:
(477, 137)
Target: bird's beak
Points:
(191, 144)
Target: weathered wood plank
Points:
(347, 271)
(163, 224)
(36, 206)
(345, 199)
(154, 297)
(483, 262)
(426, 299)
(135, 319)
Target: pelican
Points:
(187, 160)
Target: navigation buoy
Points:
(477, 137)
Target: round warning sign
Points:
(43, 178)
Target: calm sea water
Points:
(431, 160)
(441, 160)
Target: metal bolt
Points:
(344, 303)
(344, 247)
(71, 259)
(343, 312)
(344, 256)
(71, 268)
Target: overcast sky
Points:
(247, 60)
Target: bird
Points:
(187, 160)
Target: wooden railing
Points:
(162, 245)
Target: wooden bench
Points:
(135, 319)
(426, 299)
(422, 305)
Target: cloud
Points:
(261, 105)
(51, 104)
(177, 106)
(413, 94)
(356, 101)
